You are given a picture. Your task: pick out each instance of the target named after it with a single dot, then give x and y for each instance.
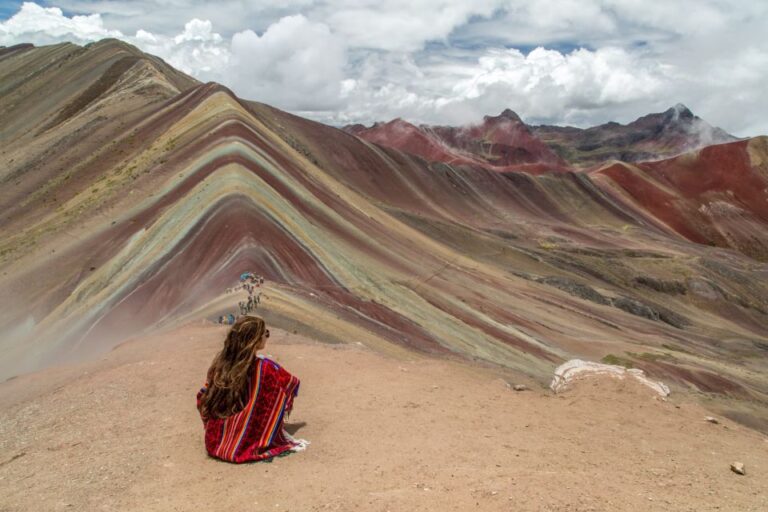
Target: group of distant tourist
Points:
(228, 319)
(247, 307)
(248, 282)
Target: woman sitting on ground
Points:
(246, 398)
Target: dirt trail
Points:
(123, 434)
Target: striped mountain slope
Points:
(133, 196)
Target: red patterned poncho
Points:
(256, 432)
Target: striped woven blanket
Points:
(256, 432)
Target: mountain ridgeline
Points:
(505, 142)
(133, 196)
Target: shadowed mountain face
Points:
(650, 137)
(506, 143)
(133, 196)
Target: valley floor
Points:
(122, 433)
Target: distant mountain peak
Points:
(679, 112)
(506, 114)
(400, 124)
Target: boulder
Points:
(576, 369)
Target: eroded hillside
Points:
(133, 196)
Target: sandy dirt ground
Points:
(122, 433)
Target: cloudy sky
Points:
(579, 62)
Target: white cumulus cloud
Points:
(197, 50)
(41, 25)
(295, 62)
(579, 62)
(544, 85)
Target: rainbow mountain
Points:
(132, 196)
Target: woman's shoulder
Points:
(272, 372)
(267, 359)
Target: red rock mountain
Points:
(506, 143)
(502, 143)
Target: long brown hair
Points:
(230, 372)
